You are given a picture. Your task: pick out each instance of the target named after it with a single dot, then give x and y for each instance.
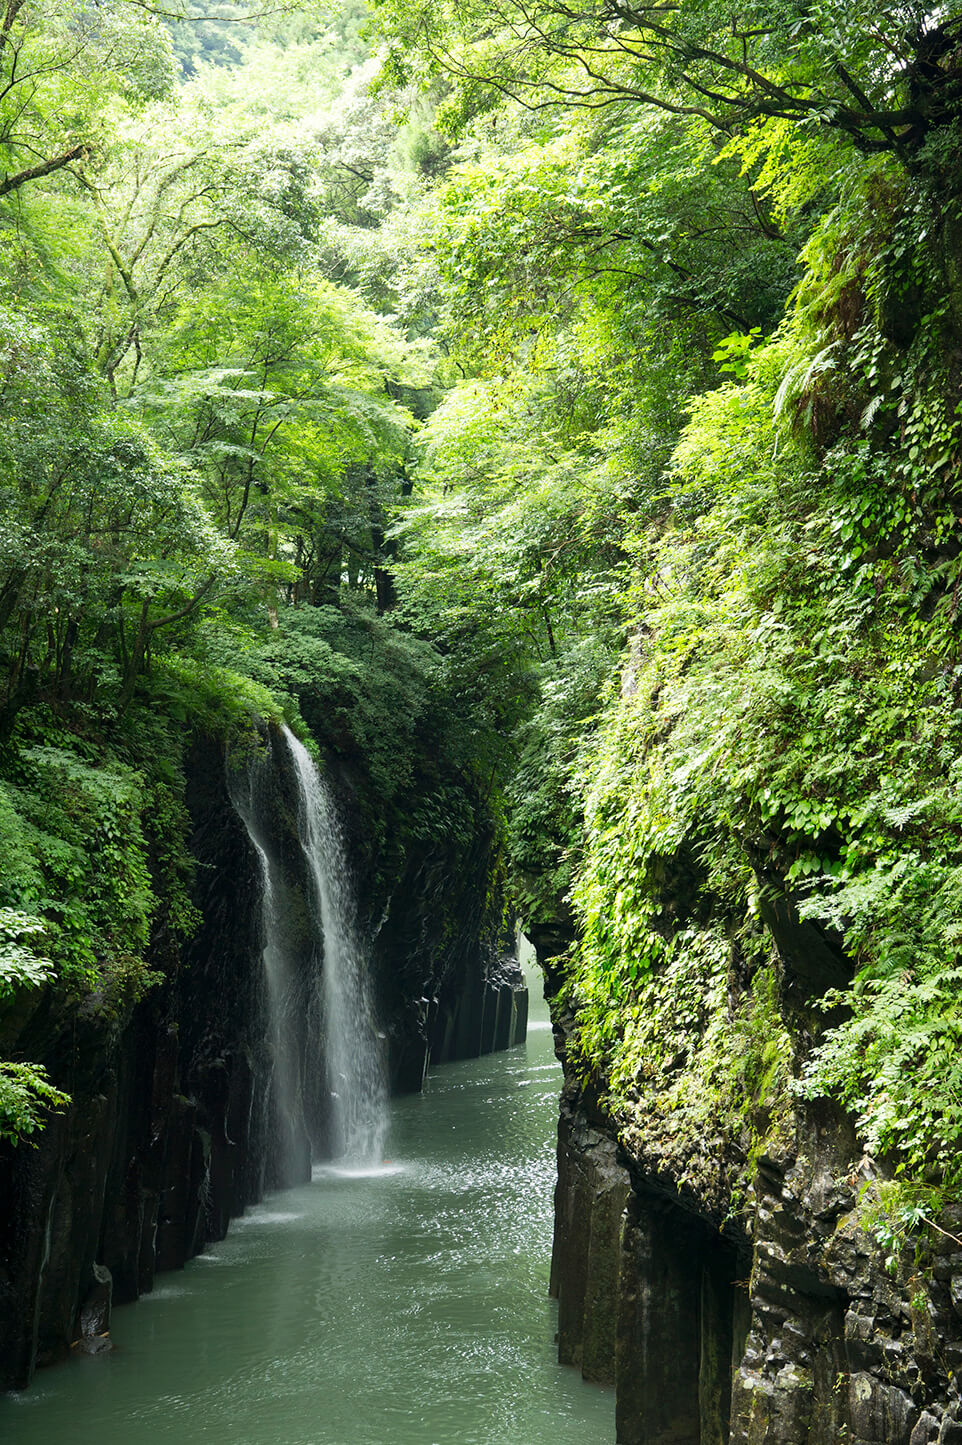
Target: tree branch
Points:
(45, 168)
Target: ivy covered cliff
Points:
(703, 277)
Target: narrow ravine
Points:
(399, 1305)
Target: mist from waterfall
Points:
(353, 1044)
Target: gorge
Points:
(472, 470)
(185, 1112)
(407, 1302)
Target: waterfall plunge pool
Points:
(395, 1304)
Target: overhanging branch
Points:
(44, 168)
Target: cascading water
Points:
(250, 794)
(353, 1044)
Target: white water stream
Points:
(353, 1044)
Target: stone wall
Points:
(781, 1325)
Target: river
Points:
(401, 1305)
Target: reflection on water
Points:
(397, 1304)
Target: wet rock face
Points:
(172, 1130)
(780, 1327)
(164, 1140)
(797, 1336)
(448, 981)
(94, 1318)
(590, 1201)
(873, 1359)
(646, 1294)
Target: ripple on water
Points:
(257, 1217)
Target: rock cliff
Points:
(172, 1129)
(775, 1317)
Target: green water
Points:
(407, 1306)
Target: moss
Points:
(94, 833)
(694, 1062)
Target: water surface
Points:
(404, 1304)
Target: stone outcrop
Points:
(448, 978)
(173, 1130)
(778, 1323)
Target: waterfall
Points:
(250, 794)
(353, 1045)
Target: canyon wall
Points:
(173, 1126)
(776, 1317)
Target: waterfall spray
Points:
(353, 1045)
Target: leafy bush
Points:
(26, 1094)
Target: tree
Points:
(104, 543)
(292, 426)
(61, 66)
(884, 79)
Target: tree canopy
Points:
(884, 80)
(585, 376)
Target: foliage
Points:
(26, 1095)
(20, 967)
(387, 706)
(82, 826)
(63, 64)
(902, 1218)
(882, 80)
(25, 1091)
(789, 720)
(544, 820)
(578, 456)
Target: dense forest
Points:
(559, 404)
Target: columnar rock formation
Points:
(170, 1133)
(778, 1324)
